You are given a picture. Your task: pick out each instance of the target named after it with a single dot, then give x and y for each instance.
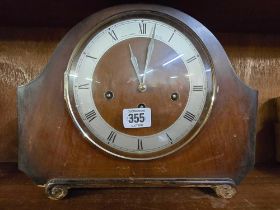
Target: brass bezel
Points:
(206, 58)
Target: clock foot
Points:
(57, 192)
(224, 191)
(57, 189)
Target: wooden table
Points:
(260, 190)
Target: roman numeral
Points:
(113, 35)
(84, 86)
(171, 36)
(89, 56)
(111, 138)
(140, 144)
(169, 139)
(197, 88)
(191, 59)
(189, 116)
(143, 28)
(90, 115)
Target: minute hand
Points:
(149, 53)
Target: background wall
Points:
(249, 32)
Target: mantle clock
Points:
(137, 96)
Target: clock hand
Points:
(134, 62)
(149, 52)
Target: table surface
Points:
(259, 190)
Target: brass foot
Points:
(56, 192)
(224, 191)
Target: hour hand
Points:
(134, 62)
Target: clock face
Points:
(140, 87)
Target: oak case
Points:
(50, 146)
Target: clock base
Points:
(57, 188)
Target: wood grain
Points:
(256, 60)
(260, 190)
(227, 138)
(114, 70)
(24, 52)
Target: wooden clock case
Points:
(54, 154)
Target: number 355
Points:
(136, 118)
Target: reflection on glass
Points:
(172, 60)
(73, 75)
(90, 79)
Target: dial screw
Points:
(142, 87)
(109, 94)
(174, 96)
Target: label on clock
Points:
(137, 118)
